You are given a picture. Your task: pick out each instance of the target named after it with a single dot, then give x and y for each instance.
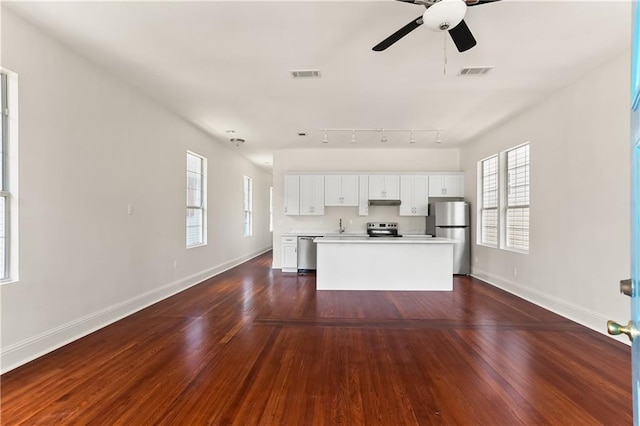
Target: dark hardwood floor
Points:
(254, 346)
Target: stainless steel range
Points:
(382, 229)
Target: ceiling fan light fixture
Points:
(444, 15)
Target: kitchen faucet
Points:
(341, 228)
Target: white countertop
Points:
(363, 239)
(303, 233)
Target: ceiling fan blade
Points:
(462, 37)
(398, 35)
(475, 2)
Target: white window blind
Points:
(247, 220)
(489, 197)
(4, 190)
(517, 206)
(195, 200)
(271, 209)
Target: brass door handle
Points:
(630, 329)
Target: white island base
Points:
(401, 264)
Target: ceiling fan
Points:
(441, 15)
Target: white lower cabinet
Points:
(289, 254)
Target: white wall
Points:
(356, 160)
(580, 199)
(89, 147)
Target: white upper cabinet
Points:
(341, 190)
(446, 185)
(363, 205)
(414, 195)
(384, 187)
(292, 195)
(311, 195)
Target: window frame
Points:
(506, 189)
(481, 198)
(271, 209)
(247, 206)
(503, 207)
(9, 185)
(202, 207)
(4, 176)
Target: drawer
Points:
(290, 240)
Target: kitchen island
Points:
(379, 263)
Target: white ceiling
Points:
(225, 65)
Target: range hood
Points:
(384, 202)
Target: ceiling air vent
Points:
(305, 74)
(475, 70)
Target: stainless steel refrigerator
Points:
(451, 220)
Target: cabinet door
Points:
(292, 195)
(406, 196)
(289, 258)
(350, 190)
(414, 196)
(311, 195)
(446, 185)
(376, 187)
(436, 186)
(454, 186)
(421, 195)
(384, 187)
(332, 190)
(363, 205)
(392, 187)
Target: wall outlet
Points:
(130, 209)
(515, 271)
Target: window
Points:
(247, 221)
(517, 205)
(489, 201)
(271, 209)
(8, 178)
(196, 200)
(503, 200)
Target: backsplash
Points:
(352, 222)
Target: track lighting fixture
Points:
(415, 135)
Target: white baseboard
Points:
(573, 312)
(34, 347)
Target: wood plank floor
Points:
(257, 347)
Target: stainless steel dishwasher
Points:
(306, 254)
